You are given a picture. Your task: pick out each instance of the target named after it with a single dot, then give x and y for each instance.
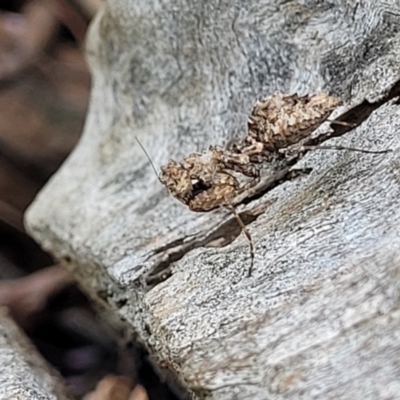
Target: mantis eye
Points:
(198, 187)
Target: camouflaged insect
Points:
(209, 180)
(205, 181)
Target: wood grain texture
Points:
(23, 372)
(319, 317)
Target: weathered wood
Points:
(23, 372)
(319, 318)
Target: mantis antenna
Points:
(148, 157)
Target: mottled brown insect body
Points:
(205, 181)
(280, 120)
(213, 179)
(201, 181)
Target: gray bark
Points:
(23, 372)
(319, 317)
